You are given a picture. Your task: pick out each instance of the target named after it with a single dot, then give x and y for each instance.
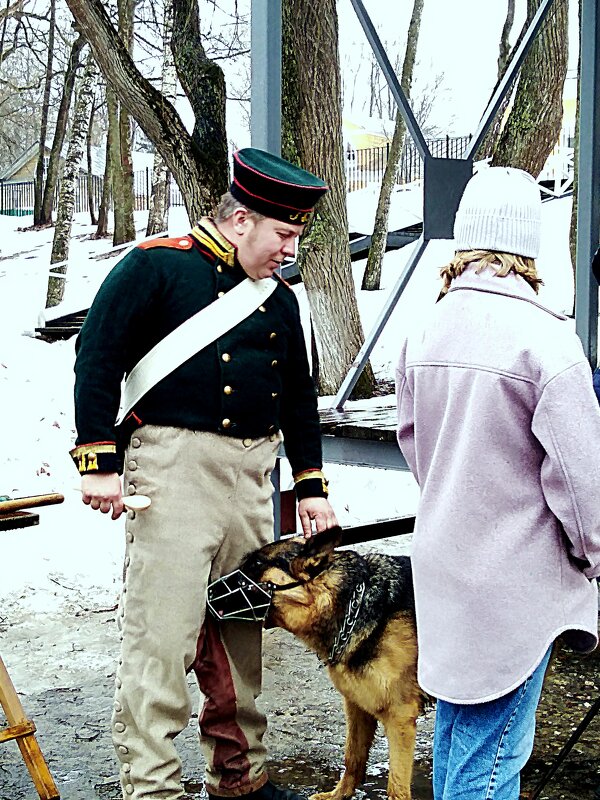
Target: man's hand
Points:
(102, 491)
(317, 510)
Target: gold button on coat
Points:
(226, 423)
(272, 335)
(274, 394)
(227, 390)
(226, 357)
(219, 268)
(274, 362)
(247, 442)
(220, 294)
(262, 308)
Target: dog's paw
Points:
(326, 796)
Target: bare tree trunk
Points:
(504, 52)
(124, 228)
(60, 130)
(158, 213)
(38, 190)
(372, 276)
(533, 125)
(114, 143)
(104, 210)
(490, 140)
(90, 166)
(66, 205)
(324, 252)
(198, 162)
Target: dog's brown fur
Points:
(376, 673)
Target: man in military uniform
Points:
(201, 444)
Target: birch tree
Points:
(66, 205)
(372, 276)
(60, 130)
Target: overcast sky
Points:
(458, 39)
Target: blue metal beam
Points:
(588, 181)
(265, 118)
(363, 354)
(391, 78)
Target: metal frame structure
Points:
(452, 173)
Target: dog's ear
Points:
(315, 553)
(324, 542)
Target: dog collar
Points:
(348, 624)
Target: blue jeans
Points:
(596, 379)
(479, 750)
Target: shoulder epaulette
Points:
(176, 243)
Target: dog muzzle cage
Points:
(237, 597)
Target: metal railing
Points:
(16, 197)
(367, 165)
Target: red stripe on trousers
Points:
(218, 718)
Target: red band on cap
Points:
(268, 199)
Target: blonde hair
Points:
(228, 204)
(502, 263)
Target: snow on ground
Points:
(73, 546)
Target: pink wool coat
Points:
(499, 424)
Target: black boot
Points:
(267, 792)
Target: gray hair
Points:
(228, 205)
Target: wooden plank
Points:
(374, 422)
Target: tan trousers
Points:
(211, 504)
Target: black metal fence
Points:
(367, 165)
(363, 166)
(16, 197)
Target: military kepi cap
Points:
(274, 187)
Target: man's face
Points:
(264, 244)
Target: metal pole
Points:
(365, 351)
(390, 76)
(588, 182)
(265, 98)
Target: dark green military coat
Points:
(251, 382)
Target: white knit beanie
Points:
(500, 210)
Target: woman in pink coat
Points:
(499, 424)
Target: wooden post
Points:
(23, 730)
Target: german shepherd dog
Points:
(357, 614)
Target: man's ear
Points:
(240, 221)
